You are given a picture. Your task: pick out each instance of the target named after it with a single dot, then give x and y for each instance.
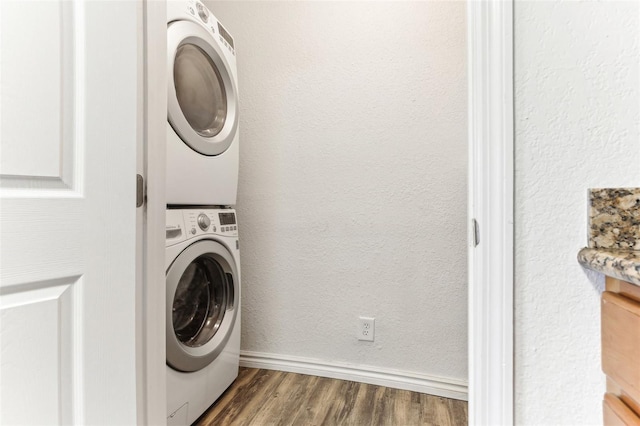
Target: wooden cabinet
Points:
(617, 413)
(620, 325)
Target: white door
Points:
(69, 127)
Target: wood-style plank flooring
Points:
(265, 397)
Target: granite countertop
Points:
(614, 233)
(614, 218)
(621, 264)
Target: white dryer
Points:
(202, 125)
(203, 309)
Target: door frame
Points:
(150, 226)
(491, 204)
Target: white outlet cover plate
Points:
(366, 329)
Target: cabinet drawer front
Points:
(621, 342)
(616, 413)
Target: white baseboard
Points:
(432, 385)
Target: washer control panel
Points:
(185, 224)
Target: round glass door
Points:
(200, 302)
(200, 90)
(202, 96)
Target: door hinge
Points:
(139, 191)
(476, 232)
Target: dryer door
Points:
(202, 295)
(202, 101)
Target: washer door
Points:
(202, 103)
(202, 292)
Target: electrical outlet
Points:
(366, 328)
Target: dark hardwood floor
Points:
(266, 397)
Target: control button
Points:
(191, 11)
(203, 12)
(193, 231)
(204, 221)
(235, 227)
(213, 229)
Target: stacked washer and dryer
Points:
(202, 249)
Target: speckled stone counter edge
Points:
(614, 218)
(621, 264)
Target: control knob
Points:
(204, 221)
(204, 13)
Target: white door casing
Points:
(69, 117)
(491, 198)
(151, 218)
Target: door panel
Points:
(69, 86)
(39, 41)
(37, 324)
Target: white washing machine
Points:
(202, 125)
(203, 309)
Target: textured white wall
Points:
(577, 113)
(352, 196)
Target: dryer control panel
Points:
(185, 224)
(206, 19)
